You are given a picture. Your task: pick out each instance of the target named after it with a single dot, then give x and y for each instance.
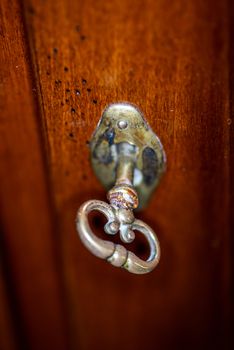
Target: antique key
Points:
(128, 158)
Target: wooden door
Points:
(62, 62)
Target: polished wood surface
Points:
(63, 62)
(29, 234)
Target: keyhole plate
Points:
(123, 122)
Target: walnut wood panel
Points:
(28, 241)
(231, 107)
(178, 75)
(171, 58)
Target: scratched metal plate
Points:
(150, 157)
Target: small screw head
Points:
(122, 124)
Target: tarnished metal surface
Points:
(120, 123)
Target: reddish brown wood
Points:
(171, 58)
(29, 242)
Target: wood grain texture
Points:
(28, 240)
(231, 106)
(171, 58)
